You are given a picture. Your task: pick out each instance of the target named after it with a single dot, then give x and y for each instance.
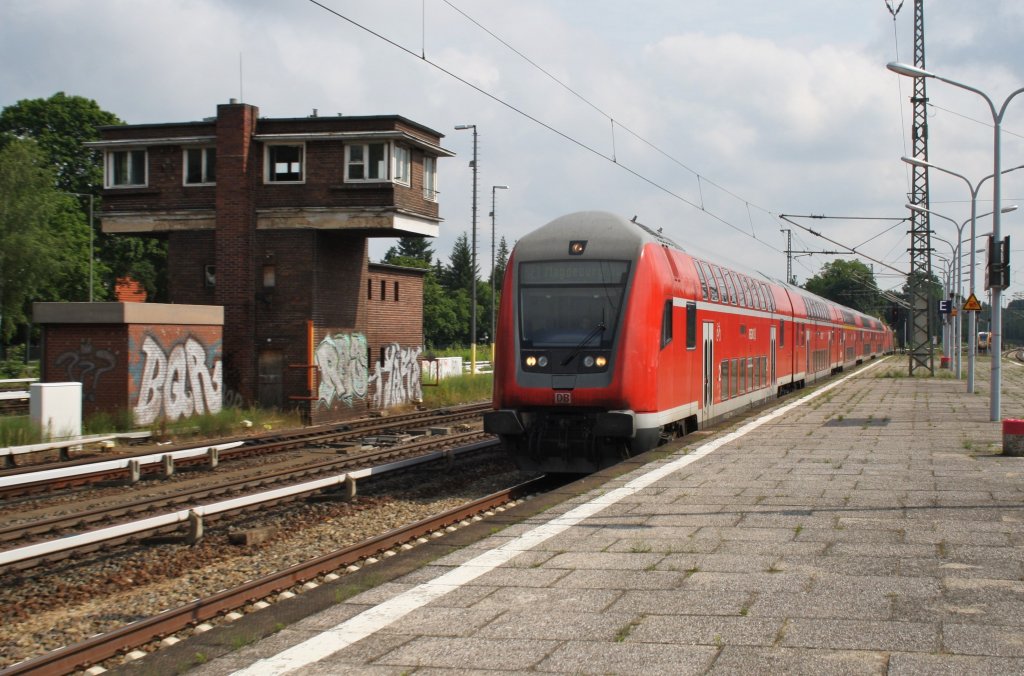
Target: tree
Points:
(61, 125)
(417, 248)
(850, 283)
(460, 273)
(43, 239)
(500, 263)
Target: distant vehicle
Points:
(984, 341)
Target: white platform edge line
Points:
(374, 619)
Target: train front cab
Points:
(566, 330)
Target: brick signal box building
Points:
(270, 219)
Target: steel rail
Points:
(60, 548)
(105, 646)
(36, 480)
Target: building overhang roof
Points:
(385, 135)
(345, 136)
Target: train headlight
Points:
(588, 361)
(601, 362)
(531, 361)
(542, 361)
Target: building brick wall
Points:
(175, 369)
(299, 329)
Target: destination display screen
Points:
(574, 272)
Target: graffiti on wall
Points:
(185, 381)
(342, 361)
(439, 368)
(87, 365)
(397, 379)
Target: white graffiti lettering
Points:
(397, 379)
(342, 360)
(178, 385)
(435, 370)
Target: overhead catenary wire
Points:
(566, 136)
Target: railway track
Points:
(89, 471)
(261, 592)
(128, 522)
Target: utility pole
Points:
(921, 349)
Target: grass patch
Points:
(627, 629)
(18, 430)
(464, 389)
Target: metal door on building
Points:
(271, 374)
(709, 371)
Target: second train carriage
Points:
(612, 339)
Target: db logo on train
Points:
(563, 397)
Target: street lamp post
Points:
(972, 328)
(995, 403)
(972, 321)
(472, 321)
(493, 296)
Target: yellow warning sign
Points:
(972, 304)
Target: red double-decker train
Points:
(611, 340)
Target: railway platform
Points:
(870, 525)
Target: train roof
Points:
(606, 234)
(609, 235)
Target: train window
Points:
(759, 287)
(725, 379)
(691, 326)
(771, 298)
(666, 323)
(715, 277)
(743, 377)
(734, 388)
(748, 297)
(730, 288)
(723, 291)
(713, 286)
(703, 280)
(752, 381)
(563, 303)
(764, 371)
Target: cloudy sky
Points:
(707, 118)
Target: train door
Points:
(709, 372)
(807, 342)
(771, 352)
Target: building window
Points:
(200, 166)
(285, 163)
(269, 277)
(401, 162)
(125, 168)
(369, 289)
(383, 290)
(396, 292)
(430, 179)
(209, 276)
(366, 162)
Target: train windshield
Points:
(571, 303)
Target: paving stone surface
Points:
(875, 528)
